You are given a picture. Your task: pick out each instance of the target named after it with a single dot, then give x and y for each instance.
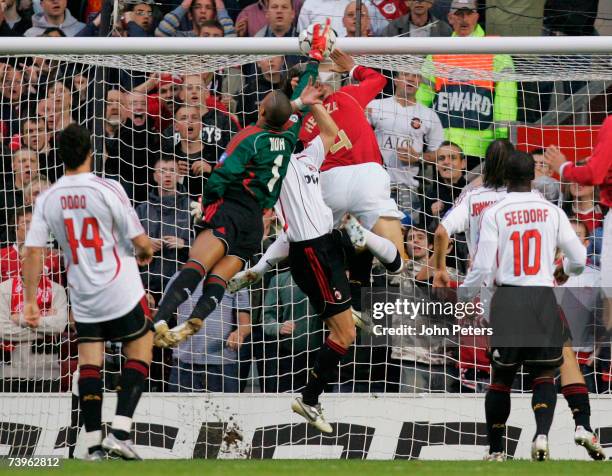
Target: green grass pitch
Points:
(318, 468)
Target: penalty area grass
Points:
(316, 468)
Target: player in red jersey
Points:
(597, 171)
(353, 179)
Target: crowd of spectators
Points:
(163, 134)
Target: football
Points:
(305, 39)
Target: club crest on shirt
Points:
(415, 123)
(337, 295)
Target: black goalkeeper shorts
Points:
(318, 268)
(128, 327)
(239, 224)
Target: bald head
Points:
(276, 109)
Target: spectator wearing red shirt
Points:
(10, 256)
(584, 207)
(162, 93)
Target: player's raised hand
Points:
(311, 94)
(31, 314)
(320, 40)
(343, 62)
(554, 158)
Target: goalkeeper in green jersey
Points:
(246, 182)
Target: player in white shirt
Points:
(97, 229)
(519, 236)
(316, 254)
(407, 133)
(465, 217)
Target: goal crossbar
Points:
(284, 46)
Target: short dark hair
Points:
(53, 29)
(448, 143)
(20, 212)
(74, 146)
(279, 109)
(214, 24)
(495, 162)
(520, 168)
(578, 222)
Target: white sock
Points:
(123, 423)
(380, 247)
(275, 253)
(92, 438)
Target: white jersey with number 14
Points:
(93, 221)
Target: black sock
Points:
(360, 271)
(543, 401)
(130, 387)
(497, 410)
(178, 292)
(396, 265)
(577, 397)
(212, 293)
(90, 399)
(323, 371)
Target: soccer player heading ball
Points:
(246, 182)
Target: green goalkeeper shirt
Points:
(257, 158)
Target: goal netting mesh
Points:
(159, 125)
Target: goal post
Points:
(171, 105)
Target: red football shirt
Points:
(10, 264)
(356, 143)
(598, 169)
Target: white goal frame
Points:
(282, 46)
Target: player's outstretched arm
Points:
(327, 126)
(441, 241)
(320, 39)
(143, 248)
(575, 254)
(32, 269)
(484, 261)
(276, 252)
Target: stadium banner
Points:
(231, 426)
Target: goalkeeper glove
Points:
(320, 40)
(163, 336)
(197, 211)
(185, 330)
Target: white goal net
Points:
(160, 123)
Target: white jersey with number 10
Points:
(519, 236)
(93, 221)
